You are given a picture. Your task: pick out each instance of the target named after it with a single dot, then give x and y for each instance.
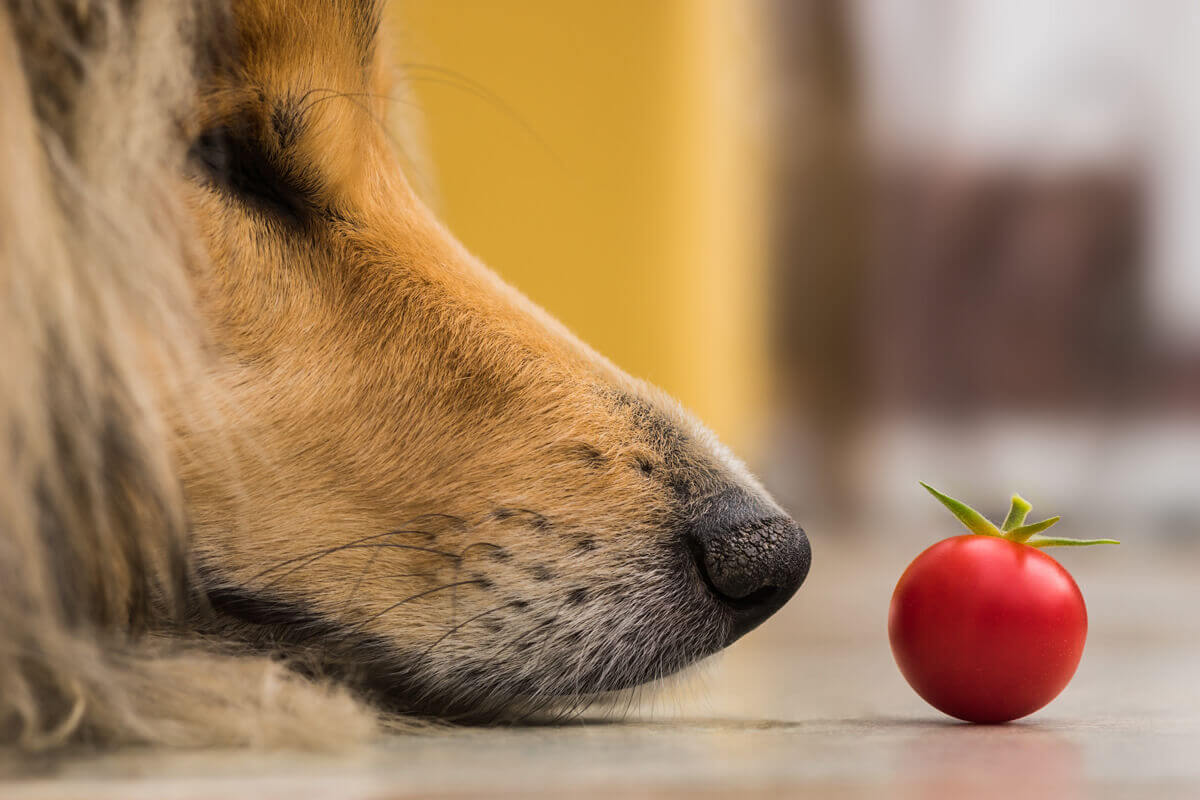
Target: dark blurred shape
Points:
(819, 248)
(1004, 291)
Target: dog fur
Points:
(282, 459)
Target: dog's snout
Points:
(752, 561)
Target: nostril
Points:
(734, 596)
(756, 599)
(751, 564)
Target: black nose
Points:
(752, 560)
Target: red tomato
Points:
(987, 629)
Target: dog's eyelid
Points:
(210, 149)
(237, 161)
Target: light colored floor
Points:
(809, 705)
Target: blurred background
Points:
(867, 242)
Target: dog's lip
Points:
(546, 692)
(404, 681)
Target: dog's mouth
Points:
(538, 644)
(562, 667)
(555, 667)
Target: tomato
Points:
(986, 627)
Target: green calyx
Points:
(1014, 528)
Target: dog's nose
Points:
(752, 561)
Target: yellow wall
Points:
(604, 157)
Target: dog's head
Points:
(409, 467)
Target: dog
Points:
(283, 462)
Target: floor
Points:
(809, 705)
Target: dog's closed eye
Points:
(235, 161)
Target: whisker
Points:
(270, 569)
(536, 519)
(417, 596)
(516, 640)
(457, 567)
(361, 575)
(352, 97)
(463, 553)
(538, 698)
(379, 545)
(458, 627)
(458, 522)
(442, 76)
(309, 558)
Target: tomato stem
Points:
(1023, 533)
(1048, 541)
(1016, 513)
(975, 522)
(1014, 528)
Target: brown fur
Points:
(260, 402)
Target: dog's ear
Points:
(99, 337)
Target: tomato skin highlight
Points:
(986, 629)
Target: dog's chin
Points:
(556, 668)
(475, 690)
(517, 698)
